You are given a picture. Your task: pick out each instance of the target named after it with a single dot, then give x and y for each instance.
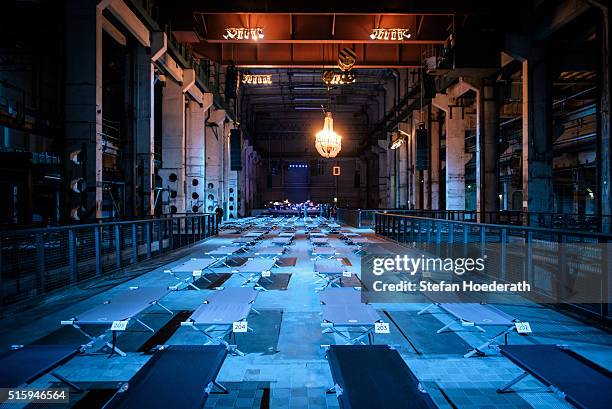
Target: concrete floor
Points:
(285, 366)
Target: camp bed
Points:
(359, 242)
(347, 234)
(282, 241)
(176, 376)
(245, 241)
(331, 270)
(340, 296)
(221, 254)
(319, 241)
(476, 315)
(254, 234)
(254, 269)
(268, 251)
(118, 312)
(286, 234)
(374, 376)
(352, 323)
(322, 252)
(22, 365)
(317, 234)
(188, 272)
(220, 313)
(578, 380)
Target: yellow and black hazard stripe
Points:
(346, 59)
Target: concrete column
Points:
(605, 151)
(392, 172)
(172, 171)
(434, 158)
(144, 132)
(214, 159)
(412, 171)
(83, 109)
(383, 173)
(487, 136)
(231, 177)
(403, 174)
(537, 146)
(196, 153)
(456, 158)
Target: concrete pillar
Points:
(172, 171)
(605, 151)
(144, 132)
(231, 177)
(196, 153)
(383, 173)
(456, 158)
(434, 158)
(83, 109)
(403, 173)
(487, 136)
(537, 145)
(214, 159)
(392, 171)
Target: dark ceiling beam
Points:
(178, 9)
(564, 13)
(311, 55)
(347, 29)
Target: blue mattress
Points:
(375, 376)
(22, 366)
(585, 384)
(175, 377)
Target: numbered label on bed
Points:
(346, 274)
(381, 328)
(240, 326)
(265, 274)
(119, 325)
(197, 273)
(523, 327)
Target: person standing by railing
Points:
(219, 213)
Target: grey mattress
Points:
(479, 314)
(349, 315)
(122, 306)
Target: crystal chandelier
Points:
(327, 142)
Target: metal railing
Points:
(364, 218)
(568, 221)
(538, 256)
(37, 261)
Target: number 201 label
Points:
(522, 327)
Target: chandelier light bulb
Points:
(327, 142)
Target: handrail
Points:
(570, 221)
(546, 258)
(561, 232)
(40, 260)
(35, 230)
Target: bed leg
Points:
(221, 387)
(144, 325)
(425, 309)
(512, 383)
(66, 381)
(444, 328)
(164, 307)
(195, 287)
